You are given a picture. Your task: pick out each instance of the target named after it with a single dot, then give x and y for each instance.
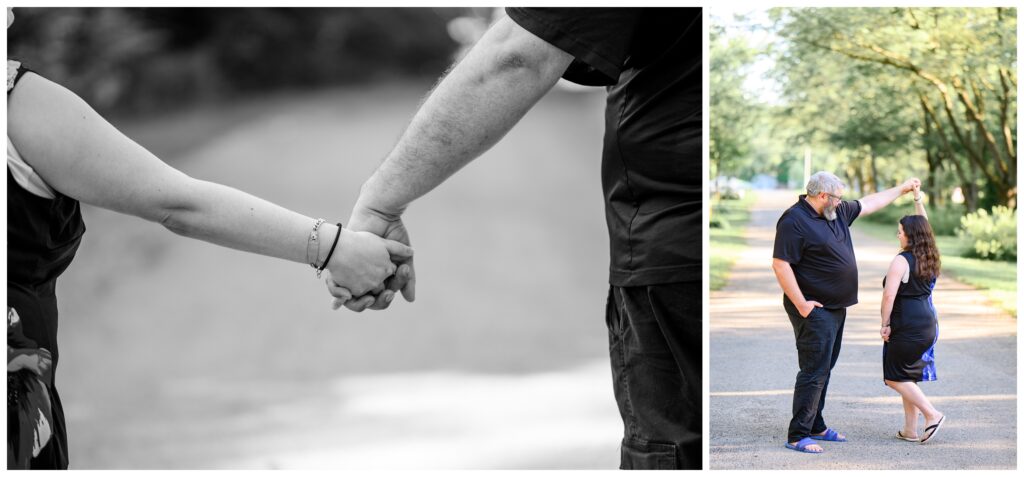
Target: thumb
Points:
(817, 305)
(398, 250)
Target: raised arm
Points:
(874, 202)
(787, 280)
(898, 268)
(919, 202)
(81, 155)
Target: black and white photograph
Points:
(355, 238)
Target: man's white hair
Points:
(823, 181)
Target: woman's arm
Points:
(893, 277)
(81, 155)
(919, 202)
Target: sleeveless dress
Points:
(43, 234)
(909, 355)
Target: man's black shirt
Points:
(650, 60)
(820, 251)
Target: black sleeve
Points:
(598, 38)
(849, 210)
(789, 243)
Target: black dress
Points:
(909, 355)
(42, 238)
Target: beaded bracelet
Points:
(330, 252)
(312, 246)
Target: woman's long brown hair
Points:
(921, 243)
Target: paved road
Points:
(753, 367)
(179, 354)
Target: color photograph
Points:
(863, 238)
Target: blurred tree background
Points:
(136, 60)
(876, 95)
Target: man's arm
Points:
(872, 203)
(787, 280)
(469, 111)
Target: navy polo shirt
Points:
(820, 252)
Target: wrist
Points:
(372, 201)
(330, 244)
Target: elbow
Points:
(779, 265)
(174, 221)
(177, 210)
(514, 64)
(514, 52)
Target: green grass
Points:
(726, 239)
(997, 279)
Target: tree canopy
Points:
(884, 93)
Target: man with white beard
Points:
(817, 270)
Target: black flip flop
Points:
(933, 429)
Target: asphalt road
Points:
(753, 367)
(177, 354)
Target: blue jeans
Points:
(654, 335)
(818, 340)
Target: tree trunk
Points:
(873, 171)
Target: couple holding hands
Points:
(60, 153)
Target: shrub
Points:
(945, 220)
(993, 235)
(718, 221)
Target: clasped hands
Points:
(911, 185)
(373, 262)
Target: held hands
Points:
(917, 191)
(808, 306)
(912, 184)
(362, 263)
(402, 277)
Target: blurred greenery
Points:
(141, 59)
(729, 219)
(980, 234)
(890, 86)
(875, 95)
(732, 116)
(996, 279)
(993, 235)
(945, 220)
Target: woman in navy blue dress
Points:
(909, 323)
